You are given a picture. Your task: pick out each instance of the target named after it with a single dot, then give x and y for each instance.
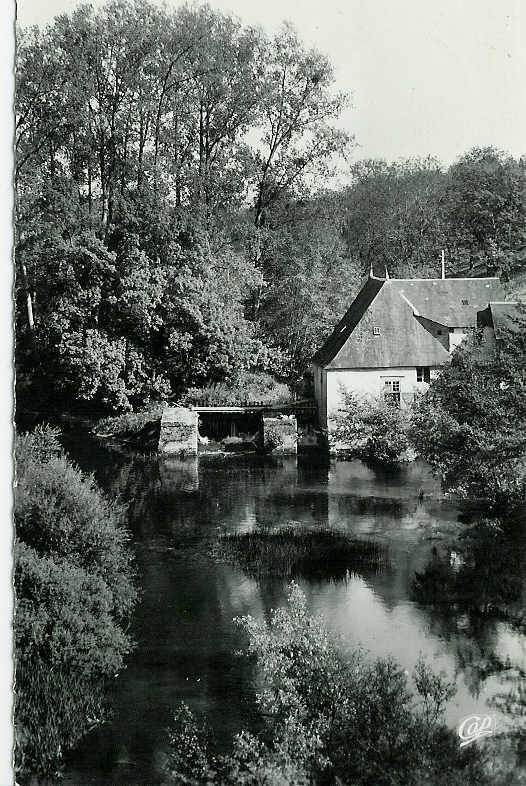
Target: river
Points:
(187, 644)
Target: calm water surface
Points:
(187, 643)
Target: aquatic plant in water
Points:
(293, 552)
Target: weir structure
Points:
(274, 428)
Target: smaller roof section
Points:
(452, 302)
(502, 316)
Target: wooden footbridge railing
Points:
(303, 407)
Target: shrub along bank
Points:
(332, 717)
(74, 592)
(373, 431)
(469, 426)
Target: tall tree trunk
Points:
(29, 299)
(201, 151)
(103, 196)
(142, 142)
(90, 194)
(176, 162)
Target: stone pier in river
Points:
(179, 435)
(280, 433)
(179, 432)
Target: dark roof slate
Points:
(391, 306)
(348, 322)
(452, 302)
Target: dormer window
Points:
(376, 331)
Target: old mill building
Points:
(395, 336)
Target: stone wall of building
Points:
(178, 432)
(280, 435)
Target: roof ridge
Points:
(415, 310)
(467, 278)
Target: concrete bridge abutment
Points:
(280, 435)
(179, 432)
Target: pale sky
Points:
(426, 76)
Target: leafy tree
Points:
(393, 216)
(470, 423)
(298, 108)
(330, 717)
(143, 136)
(172, 164)
(401, 215)
(485, 208)
(310, 278)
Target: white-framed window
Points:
(392, 391)
(423, 374)
(376, 331)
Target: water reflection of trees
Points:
(470, 590)
(473, 585)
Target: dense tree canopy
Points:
(151, 146)
(400, 216)
(174, 223)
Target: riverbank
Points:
(179, 510)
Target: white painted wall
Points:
(456, 336)
(365, 382)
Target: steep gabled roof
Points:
(391, 306)
(346, 325)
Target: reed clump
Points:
(296, 552)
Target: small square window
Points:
(465, 302)
(376, 331)
(423, 374)
(439, 332)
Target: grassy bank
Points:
(290, 552)
(138, 429)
